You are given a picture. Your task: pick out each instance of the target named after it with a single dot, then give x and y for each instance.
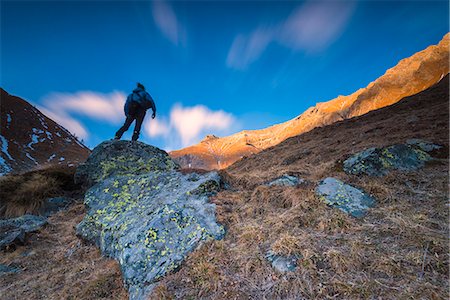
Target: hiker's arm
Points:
(153, 105)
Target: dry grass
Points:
(25, 193)
(399, 250)
(55, 264)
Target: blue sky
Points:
(212, 66)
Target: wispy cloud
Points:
(167, 21)
(63, 107)
(311, 27)
(183, 126)
(188, 125)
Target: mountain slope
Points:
(28, 138)
(399, 250)
(410, 76)
(423, 116)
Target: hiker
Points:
(135, 107)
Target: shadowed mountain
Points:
(410, 76)
(29, 139)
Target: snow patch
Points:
(31, 158)
(61, 158)
(49, 135)
(8, 120)
(4, 167)
(51, 157)
(5, 147)
(35, 138)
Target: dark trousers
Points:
(136, 113)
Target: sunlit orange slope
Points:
(410, 76)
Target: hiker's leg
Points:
(137, 128)
(125, 127)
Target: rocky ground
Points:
(284, 238)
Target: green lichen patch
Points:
(380, 161)
(125, 158)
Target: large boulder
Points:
(149, 221)
(380, 161)
(344, 197)
(113, 157)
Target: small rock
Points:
(13, 231)
(344, 197)
(11, 235)
(27, 223)
(281, 263)
(4, 269)
(286, 180)
(53, 205)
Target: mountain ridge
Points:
(29, 139)
(408, 77)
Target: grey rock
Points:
(380, 161)
(53, 205)
(11, 235)
(150, 221)
(112, 158)
(4, 269)
(282, 263)
(344, 197)
(286, 180)
(27, 223)
(424, 145)
(13, 231)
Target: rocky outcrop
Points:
(409, 77)
(344, 197)
(380, 161)
(145, 213)
(112, 158)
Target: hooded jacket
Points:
(142, 98)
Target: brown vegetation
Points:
(25, 193)
(55, 264)
(398, 251)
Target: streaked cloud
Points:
(168, 23)
(183, 126)
(188, 125)
(311, 27)
(64, 107)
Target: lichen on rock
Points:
(344, 197)
(112, 158)
(380, 161)
(150, 221)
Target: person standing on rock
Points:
(135, 108)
